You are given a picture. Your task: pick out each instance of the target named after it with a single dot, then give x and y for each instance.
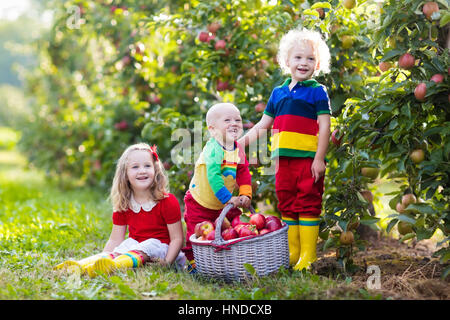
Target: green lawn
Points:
(42, 225)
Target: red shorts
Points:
(296, 190)
(195, 213)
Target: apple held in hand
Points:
(229, 234)
(203, 228)
(258, 220)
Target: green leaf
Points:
(405, 218)
(311, 12)
(368, 220)
(445, 273)
(407, 236)
(249, 268)
(329, 243)
(444, 20)
(445, 257)
(321, 5)
(391, 224)
(422, 208)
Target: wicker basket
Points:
(225, 260)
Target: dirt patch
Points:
(407, 271)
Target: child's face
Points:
(227, 126)
(302, 61)
(140, 170)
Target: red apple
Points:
(248, 125)
(238, 227)
(229, 234)
(420, 91)
(167, 165)
(384, 66)
(220, 45)
(407, 199)
(213, 27)
(222, 85)
(336, 141)
(225, 224)
(260, 107)
(429, 8)
(263, 231)
(203, 228)
(247, 230)
(258, 220)
(438, 78)
(211, 235)
(237, 220)
(273, 224)
(203, 36)
(121, 126)
(406, 61)
(270, 217)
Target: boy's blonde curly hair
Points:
(295, 36)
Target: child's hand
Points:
(234, 201)
(317, 169)
(244, 201)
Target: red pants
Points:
(297, 193)
(195, 213)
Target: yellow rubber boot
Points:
(105, 265)
(294, 243)
(309, 231)
(79, 266)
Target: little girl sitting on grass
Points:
(142, 204)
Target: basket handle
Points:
(218, 240)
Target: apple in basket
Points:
(247, 230)
(238, 220)
(225, 223)
(263, 231)
(258, 220)
(203, 228)
(211, 235)
(229, 234)
(273, 224)
(238, 227)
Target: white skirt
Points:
(151, 247)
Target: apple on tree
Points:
(406, 61)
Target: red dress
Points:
(152, 224)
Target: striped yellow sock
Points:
(130, 259)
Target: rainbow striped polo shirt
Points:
(295, 117)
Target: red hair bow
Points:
(153, 152)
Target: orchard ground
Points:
(43, 223)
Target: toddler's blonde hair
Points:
(121, 189)
(297, 36)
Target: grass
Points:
(41, 225)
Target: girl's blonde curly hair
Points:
(121, 189)
(298, 36)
